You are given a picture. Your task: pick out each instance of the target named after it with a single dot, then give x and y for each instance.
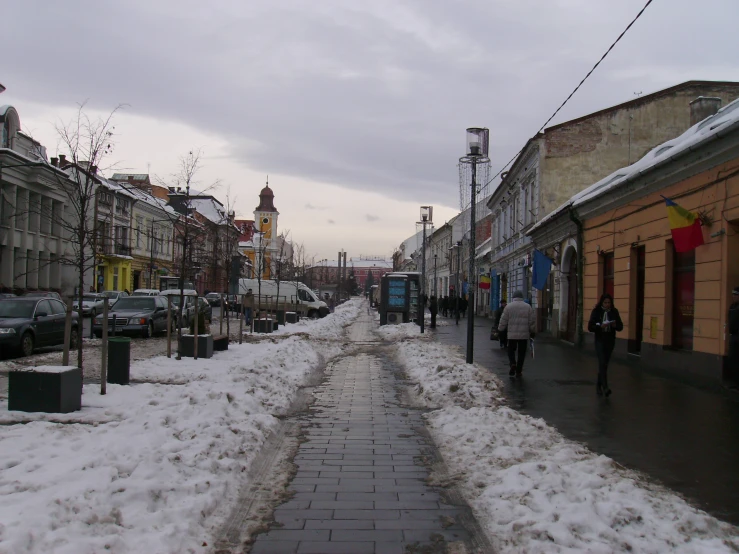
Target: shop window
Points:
(683, 299)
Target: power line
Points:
(603, 57)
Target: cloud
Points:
(372, 217)
(331, 221)
(361, 96)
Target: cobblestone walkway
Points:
(360, 486)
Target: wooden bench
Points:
(220, 342)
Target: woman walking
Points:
(604, 322)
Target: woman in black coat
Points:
(604, 322)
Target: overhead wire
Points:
(603, 57)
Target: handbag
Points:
(494, 334)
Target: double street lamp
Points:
(477, 153)
(427, 213)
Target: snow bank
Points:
(144, 468)
(535, 491)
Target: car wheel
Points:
(73, 338)
(99, 335)
(27, 344)
(149, 330)
(313, 314)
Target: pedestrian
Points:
(126, 291)
(519, 322)
(733, 358)
(463, 305)
(502, 335)
(433, 308)
(444, 305)
(248, 305)
(604, 322)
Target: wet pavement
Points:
(361, 484)
(682, 436)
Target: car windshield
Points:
(175, 300)
(111, 294)
(89, 298)
(135, 303)
(16, 308)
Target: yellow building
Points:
(261, 250)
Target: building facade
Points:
(557, 164)
(32, 206)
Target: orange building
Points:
(674, 305)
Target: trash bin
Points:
(119, 360)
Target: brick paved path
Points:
(359, 486)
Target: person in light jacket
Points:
(519, 322)
(604, 322)
(248, 305)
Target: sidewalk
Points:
(682, 436)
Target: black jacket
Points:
(596, 317)
(734, 318)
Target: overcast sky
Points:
(355, 109)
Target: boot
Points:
(599, 389)
(607, 391)
(512, 372)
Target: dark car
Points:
(213, 298)
(136, 315)
(42, 294)
(29, 322)
(7, 295)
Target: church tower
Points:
(265, 223)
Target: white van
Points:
(145, 292)
(292, 296)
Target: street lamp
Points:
(435, 290)
(477, 153)
(458, 246)
(427, 213)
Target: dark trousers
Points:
(603, 349)
(520, 346)
(732, 361)
(433, 320)
(503, 339)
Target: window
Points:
(57, 307)
(608, 271)
(139, 224)
(43, 307)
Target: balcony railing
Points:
(122, 249)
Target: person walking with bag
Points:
(519, 322)
(604, 322)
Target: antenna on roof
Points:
(267, 180)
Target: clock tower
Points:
(265, 223)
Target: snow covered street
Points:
(156, 467)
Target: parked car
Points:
(29, 322)
(206, 309)
(7, 295)
(42, 294)
(233, 303)
(114, 295)
(213, 298)
(92, 304)
(188, 310)
(145, 292)
(135, 315)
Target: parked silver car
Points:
(92, 304)
(114, 295)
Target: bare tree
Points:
(85, 143)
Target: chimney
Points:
(130, 178)
(55, 162)
(62, 161)
(703, 107)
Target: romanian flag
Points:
(484, 282)
(685, 226)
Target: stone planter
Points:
(205, 346)
(263, 325)
(53, 389)
(291, 317)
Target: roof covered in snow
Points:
(726, 120)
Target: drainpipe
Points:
(580, 271)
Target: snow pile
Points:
(535, 491)
(330, 327)
(144, 468)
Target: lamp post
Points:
(426, 217)
(458, 246)
(435, 295)
(477, 152)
